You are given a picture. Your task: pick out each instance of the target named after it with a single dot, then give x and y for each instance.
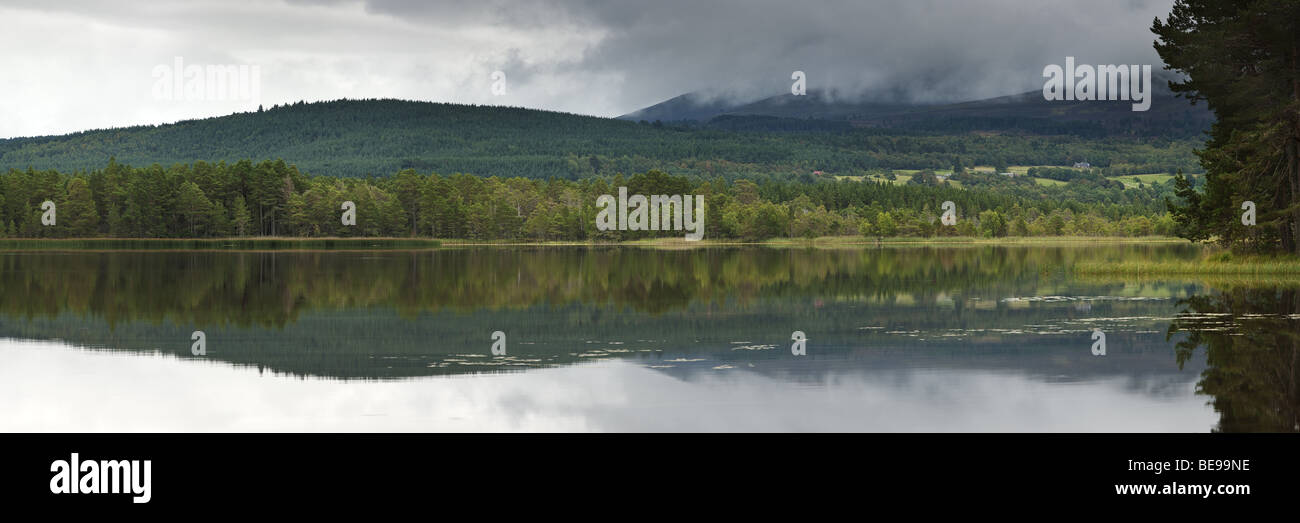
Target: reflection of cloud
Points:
(47, 386)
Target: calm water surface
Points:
(619, 339)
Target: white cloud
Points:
(82, 64)
(97, 72)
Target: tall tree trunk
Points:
(1293, 174)
(1293, 150)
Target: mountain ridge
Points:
(1028, 112)
(383, 136)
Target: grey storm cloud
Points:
(922, 50)
(585, 56)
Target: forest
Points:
(359, 138)
(275, 198)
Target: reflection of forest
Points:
(379, 315)
(398, 314)
(272, 288)
(1252, 343)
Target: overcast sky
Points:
(82, 64)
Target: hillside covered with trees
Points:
(275, 198)
(358, 138)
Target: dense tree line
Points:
(356, 138)
(273, 198)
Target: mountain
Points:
(686, 107)
(779, 136)
(695, 107)
(1168, 116)
(356, 138)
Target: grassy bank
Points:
(290, 243)
(1221, 264)
(859, 241)
(231, 244)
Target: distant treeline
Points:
(356, 138)
(273, 198)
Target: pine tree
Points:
(243, 220)
(192, 205)
(77, 213)
(1242, 58)
(218, 221)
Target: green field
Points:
(1132, 180)
(902, 176)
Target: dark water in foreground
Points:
(611, 339)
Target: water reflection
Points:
(1251, 339)
(103, 391)
(918, 338)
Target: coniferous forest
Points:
(358, 138)
(274, 198)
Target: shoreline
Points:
(1211, 263)
(365, 244)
